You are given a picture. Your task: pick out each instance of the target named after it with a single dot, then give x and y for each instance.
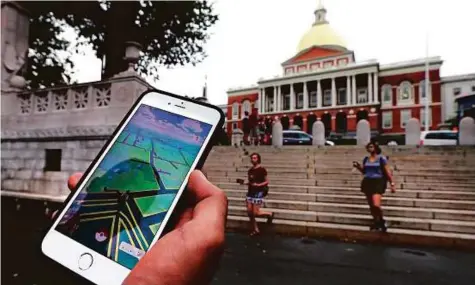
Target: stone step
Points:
(279, 180)
(454, 202)
(348, 232)
(424, 197)
(350, 174)
(361, 209)
(465, 227)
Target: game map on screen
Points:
(123, 204)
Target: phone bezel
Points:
(55, 243)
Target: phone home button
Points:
(85, 261)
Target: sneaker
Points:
(270, 219)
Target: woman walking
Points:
(257, 190)
(376, 172)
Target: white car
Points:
(442, 137)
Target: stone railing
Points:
(92, 108)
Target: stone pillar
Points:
(277, 137)
(15, 33)
(376, 89)
(279, 98)
(318, 133)
(363, 132)
(333, 93)
(467, 131)
(413, 132)
(348, 91)
(353, 91)
(292, 97)
(319, 94)
(305, 96)
(370, 88)
(274, 105)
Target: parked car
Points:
(440, 137)
(294, 137)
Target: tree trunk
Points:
(120, 29)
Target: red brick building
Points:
(324, 82)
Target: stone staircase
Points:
(314, 191)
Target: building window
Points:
(313, 99)
(327, 97)
(269, 103)
(299, 100)
(457, 91)
(405, 116)
(473, 88)
(302, 69)
(246, 107)
(423, 117)
(362, 96)
(327, 64)
(388, 120)
(405, 93)
(53, 159)
(342, 96)
(234, 126)
(235, 110)
(314, 66)
(387, 95)
(422, 91)
(286, 102)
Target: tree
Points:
(171, 33)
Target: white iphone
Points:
(124, 200)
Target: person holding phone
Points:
(376, 172)
(191, 252)
(257, 189)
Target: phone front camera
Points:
(169, 103)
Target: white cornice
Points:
(436, 60)
(458, 78)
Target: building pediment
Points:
(315, 53)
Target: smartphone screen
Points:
(122, 205)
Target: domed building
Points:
(323, 81)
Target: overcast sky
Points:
(253, 37)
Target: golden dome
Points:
(320, 34)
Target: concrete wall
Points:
(23, 164)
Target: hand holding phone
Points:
(161, 130)
(240, 181)
(356, 164)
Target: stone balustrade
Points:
(87, 109)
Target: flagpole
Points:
(426, 87)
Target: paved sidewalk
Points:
(283, 260)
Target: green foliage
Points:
(171, 33)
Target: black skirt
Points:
(373, 186)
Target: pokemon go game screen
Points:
(125, 200)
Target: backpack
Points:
(381, 164)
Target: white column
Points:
(333, 93)
(370, 87)
(259, 106)
(305, 96)
(279, 95)
(264, 100)
(292, 97)
(348, 91)
(319, 94)
(353, 90)
(376, 88)
(274, 104)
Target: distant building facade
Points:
(323, 81)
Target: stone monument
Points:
(363, 132)
(467, 131)
(318, 133)
(277, 136)
(413, 132)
